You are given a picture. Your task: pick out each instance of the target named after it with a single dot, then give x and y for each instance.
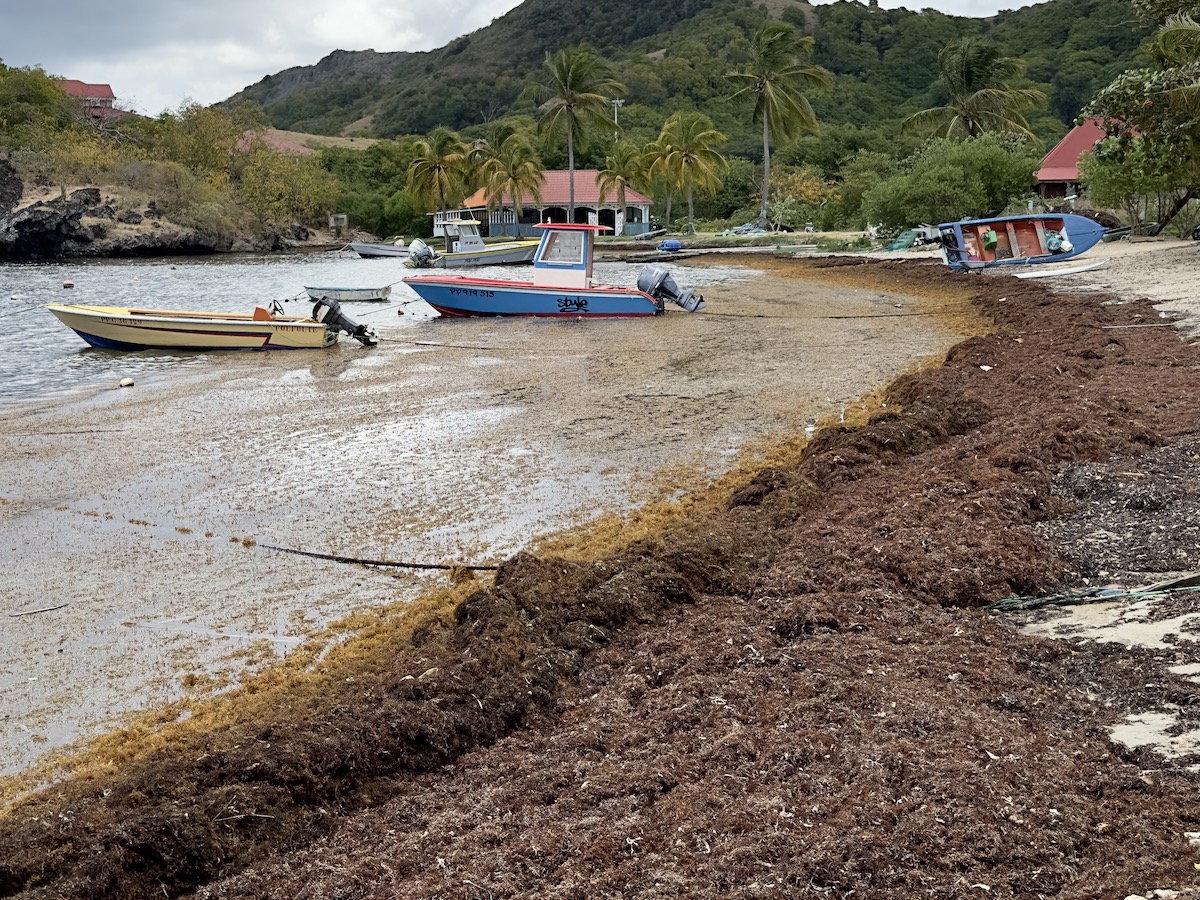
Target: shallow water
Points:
(145, 515)
(42, 358)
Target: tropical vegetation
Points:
(838, 115)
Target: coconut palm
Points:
(778, 76)
(437, 175)
(653, 160)
(692, 160)
(623, 169)
(975, 74)
(1177, 45)
(513, 172)
(573, 97)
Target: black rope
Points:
(333, 557)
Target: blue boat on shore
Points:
(1017, 240)
(561, 285)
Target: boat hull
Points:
(122, 328)
(350, 295)
(493, 255)
(1017, 240)
(458, 296)
(375, 250)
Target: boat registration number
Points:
(471, 292)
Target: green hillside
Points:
(673, 54)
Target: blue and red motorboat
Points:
(561, 285)
(1017, 240)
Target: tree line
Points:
(971, 151)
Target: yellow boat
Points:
(126, 328)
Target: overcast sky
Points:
(157, 54)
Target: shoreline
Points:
(457, 444)
(793, 682)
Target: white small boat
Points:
(349, 295)
(397, 248)
(1065, 270)
(465, 247)
(125, 328)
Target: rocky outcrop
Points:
(84, 225)
(11, 188)
(49, 229)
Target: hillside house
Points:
(1058, 178)
(97, 100)
(555, 191)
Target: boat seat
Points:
(262, 314)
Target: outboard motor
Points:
(658, 283)
(420, 256)
(329, 313)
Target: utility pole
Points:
(616, 104)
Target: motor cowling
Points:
(329, 313)
(420, 255)
(658, 283)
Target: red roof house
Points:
(555, 193)
(96, 99)
(1059, 175)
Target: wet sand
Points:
(134, 522)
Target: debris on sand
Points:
(793, 693)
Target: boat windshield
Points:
(564, 248)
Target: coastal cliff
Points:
(89, 222)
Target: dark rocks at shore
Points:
(81, 225)
(11, 187)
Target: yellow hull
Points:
(123, 328)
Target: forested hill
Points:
(673, 54)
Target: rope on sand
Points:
(333, 557)
(1079, 598)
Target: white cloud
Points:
(158, 54)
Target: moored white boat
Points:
(126, 328)
(561, 285)
(349, 295)
(398, 248)
(465, 247)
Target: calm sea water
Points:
(42, 358)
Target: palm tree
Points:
(653, 159)
(438, 173)
(574, 96)
(513, 172)
(778, 76)
(975, 74)
(692, 160)
(623, 169)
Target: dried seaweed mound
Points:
(782, 696)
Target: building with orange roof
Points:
(1058, 178)
(555, 201)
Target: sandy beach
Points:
(142, 515)
(787, 689)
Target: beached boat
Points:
(561, 285)
(125, 328)
(1017, 240)
(368, 250)
(349, 295)
(465, 247)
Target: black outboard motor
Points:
(329, 312)
(658, 283)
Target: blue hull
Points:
(460, 296)
(1017, 240)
